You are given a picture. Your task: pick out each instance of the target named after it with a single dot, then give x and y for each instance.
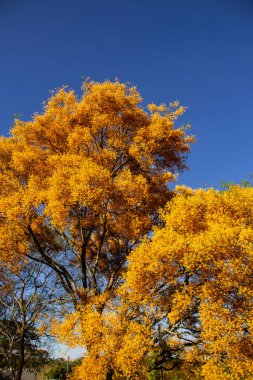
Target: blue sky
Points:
(198, 52)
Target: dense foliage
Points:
(82, 182)
(154, 279)
(187, 297)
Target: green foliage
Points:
(226, 185)
(9, 332)
(59, 371)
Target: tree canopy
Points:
(187, 297)
(82, 182)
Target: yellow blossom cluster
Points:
(197, 269)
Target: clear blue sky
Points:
(199, 52)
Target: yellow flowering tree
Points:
(191, 284)
(81, 183)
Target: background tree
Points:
(27, 295)
(62, 369)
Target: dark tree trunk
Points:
(21, 360)
(109, 375)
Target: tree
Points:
(83, 182)
(10, 348)
(26, 297)
(87, 177)
(187, 298)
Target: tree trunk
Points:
(21, 360)
(109, 375)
